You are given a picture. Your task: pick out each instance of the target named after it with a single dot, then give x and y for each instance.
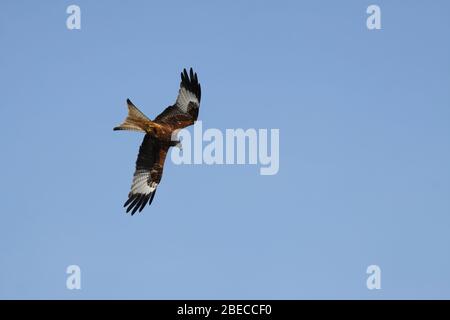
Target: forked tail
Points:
(135, 121)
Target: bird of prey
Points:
(158, 139)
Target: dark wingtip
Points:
(151, 197)
(137, 202)
(134, 200)
(128, 201)
(135, 208)
(190, 82)
(144, 202)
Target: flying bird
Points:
(158, 139)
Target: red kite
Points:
(158, 139)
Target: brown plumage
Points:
(158, 139)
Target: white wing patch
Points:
(142, 184)
(184, 97)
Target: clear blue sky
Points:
(364, 150)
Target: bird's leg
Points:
(176, 143)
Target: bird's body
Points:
(159, 137)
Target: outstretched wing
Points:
(185, 110)
(148, 173)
